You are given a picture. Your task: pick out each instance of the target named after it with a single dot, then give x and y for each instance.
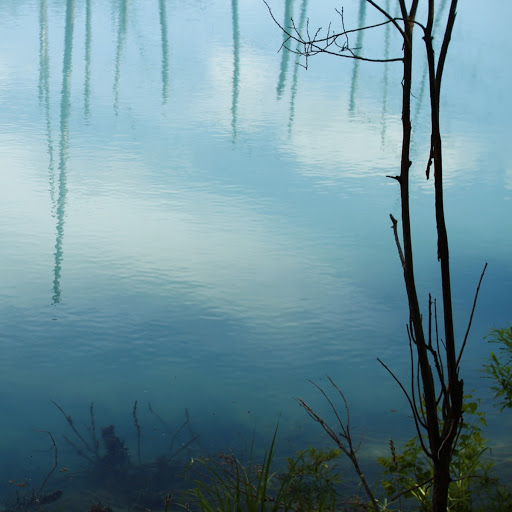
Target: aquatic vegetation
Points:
(408, 475)
(499, 367)
(228, 484)
(27, 496)
(308, 483)
(111, 473)
(98, 507)
(314, 478)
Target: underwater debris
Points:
(29, 497)
(137, 427)
(116, 468)
(98, 507)
(69, 419)
(50, 497)
(116, 457)
(35, 499)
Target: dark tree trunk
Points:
(436, 397)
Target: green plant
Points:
(499, 366)
(314, 479)
(230, 485)
(408, 471)
(408, 475)
(308, 483)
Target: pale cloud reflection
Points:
(257, 77)
(328, 142)
(227, 253)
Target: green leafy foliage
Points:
(230, 485)
(310, 482)
(409, 472)
(499, 366)
(307, 485)
(314, 479)
(408, 475)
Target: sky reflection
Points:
(196, 214)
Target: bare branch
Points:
(69, 419)
(401, 493)
(388, 16)
(397, 240)
(430, 160)
(56, 460)
(344, 439)
(471, 315)
(342, 19)
(414, 410)
(137, 428)
(446, 42)
(77, 449)
(312, 46)
(436, 355)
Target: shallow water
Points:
(189, 218)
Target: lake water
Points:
(191, 219)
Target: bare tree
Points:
(435, 394)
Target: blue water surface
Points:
(190, 218)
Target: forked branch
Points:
(471, 315)
(331, 43)
(343, 438)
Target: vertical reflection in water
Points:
(359, 42)
(87, 82)
(43, 50)
(44, 92)
(421, 93)
(285, 55)
(165, 52)
(236, 65)
(302, 20)
(121, 33)
(64, 144)
(387, 35)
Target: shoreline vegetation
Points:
(116, 477)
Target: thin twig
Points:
(315, 45)
(137, 427)
(388, 16)
(93, 429)
(401, 493)
(471, 315)
(346, 436)
(158, 417)
(397, 240)
(186, 445)
(78, 450)
(69, 419)
(187, 419)
(414, 410)
(56, 461)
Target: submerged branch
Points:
(56, 460)
(69, 419)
